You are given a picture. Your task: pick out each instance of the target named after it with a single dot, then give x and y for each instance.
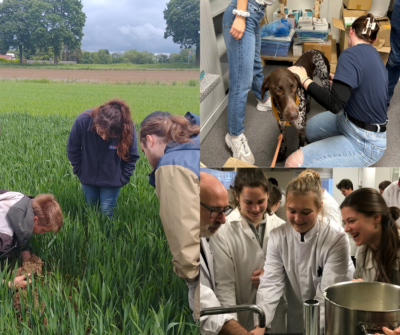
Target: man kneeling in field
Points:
(20, 217)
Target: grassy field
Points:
(125, 67)
(43, 97)
(92, 284)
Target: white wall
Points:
(382, 174)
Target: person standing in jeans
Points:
(103, 150)
(242, 35)
(393, 64)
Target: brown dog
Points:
(284, 86)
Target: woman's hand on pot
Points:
(359, 279)
(300, 71)
(258, 331)
(255, 277)
(387, 331)
(238, 27)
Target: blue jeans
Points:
(393, 64)
(245, 67)
(335, 141)
(107, 197)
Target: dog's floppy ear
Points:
(298, 80)
(265, 87)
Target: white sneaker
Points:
(240, 148)
(264, 106)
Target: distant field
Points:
(154, 76)
(69, 99)
(124, 67)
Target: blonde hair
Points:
(303, 185)
(315, 174)
(48, 211)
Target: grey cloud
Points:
(122, 25)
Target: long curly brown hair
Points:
(114, 118)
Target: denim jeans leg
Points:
(258, 76)
(92, 194)
(108, 200)
(393, 64)
(349, 145)
(322, 126)
(241, 59)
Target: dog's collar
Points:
(277, 113)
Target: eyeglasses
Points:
(214, 213)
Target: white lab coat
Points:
(293, 267)
(332, 212)
(210, 324)
(237, 254)
(391, 194)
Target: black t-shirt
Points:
(361, 68)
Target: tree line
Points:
(29, 25)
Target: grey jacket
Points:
(20, 216)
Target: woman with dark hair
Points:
(372, 224)
(103, 150)
(240, 246)
(171, 144)
(354, 126)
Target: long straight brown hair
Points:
(370, 203)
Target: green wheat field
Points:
(92, 283)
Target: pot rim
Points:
(359, 283)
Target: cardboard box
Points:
(384, 31)
(358, 4)
(344, 31)
(333, 57)
(236, 163)
(325, 48)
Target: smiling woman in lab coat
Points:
(240, 246)
(304, 256)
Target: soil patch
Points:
(111, 76)
(34, 267)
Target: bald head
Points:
(213, 195)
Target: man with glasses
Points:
(214, 206)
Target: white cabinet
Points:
(213, 60)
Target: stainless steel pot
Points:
(361, 308)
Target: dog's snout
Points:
(292, 111)
(293, 115)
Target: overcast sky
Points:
(120, 25)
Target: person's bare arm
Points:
(239, 24)
(26, 255)
(232, 327)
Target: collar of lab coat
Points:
(235, 218)
(209, 270)
(310, 234)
